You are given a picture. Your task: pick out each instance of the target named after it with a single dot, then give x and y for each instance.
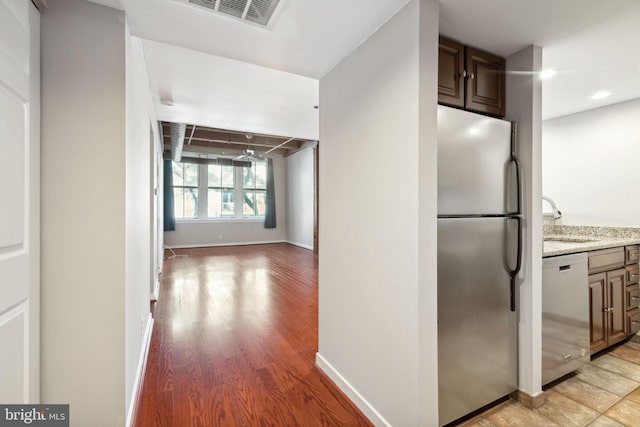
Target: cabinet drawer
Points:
(633, 321)
(606, 259)
(632, 254)
(633, 297)
(633, 273)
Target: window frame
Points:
(203, 199)
(183, 187)
(255, 190)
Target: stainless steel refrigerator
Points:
(479, 256)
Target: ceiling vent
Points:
(256, 12)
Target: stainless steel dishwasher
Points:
(565, 315)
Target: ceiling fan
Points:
(249, 154)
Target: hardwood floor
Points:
(234, 343)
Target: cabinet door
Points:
(450, 73)
(485, 82)
(616, 292)
(597, 286)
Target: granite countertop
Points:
(561, 240)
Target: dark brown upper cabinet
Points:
(470, 78)
(451, 73)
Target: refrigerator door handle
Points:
(514, 273)
(514, 159)
(518, 166)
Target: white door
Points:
(19, 200)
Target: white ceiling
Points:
(223, 93)
(592, 43)
(309, 36)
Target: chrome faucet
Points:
(556, 213)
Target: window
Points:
(185, 190)
(211, 191)
(254, 189)
(221, 191)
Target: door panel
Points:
(19, 196)
(13, 116)
(450, 73)
(597, 319)
(13, 336)
(476, 329)
(474, 154)
(617, 315)
(485, 83)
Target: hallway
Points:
(234, 343)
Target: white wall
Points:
(590, 165)
(83, 211)
(524, 106)
(372, 296)
(219, 233)
(139, 223)
(428, 215)
(300, 198)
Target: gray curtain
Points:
(270, 211)
(169, 211)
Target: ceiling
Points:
(223, 93)
(591, 43)
(206, 142)
(309, 37)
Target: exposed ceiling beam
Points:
(201, 136)
(211, 148)
(193, 129)
(280, 146)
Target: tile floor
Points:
(603, 393)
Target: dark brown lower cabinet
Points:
(607, 301)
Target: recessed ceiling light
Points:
(545, 74)
(600, 95)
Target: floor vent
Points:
(256, 12)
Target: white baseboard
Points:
(367, 409)
(213, 245)
(300, 245)
(142, 364)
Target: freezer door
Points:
(475, 174)
(477, 344)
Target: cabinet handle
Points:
(473, 76)
(464, 74)
(608, 310)
(635, 322)
(635, 297)
(630, 253)
(635, 275)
